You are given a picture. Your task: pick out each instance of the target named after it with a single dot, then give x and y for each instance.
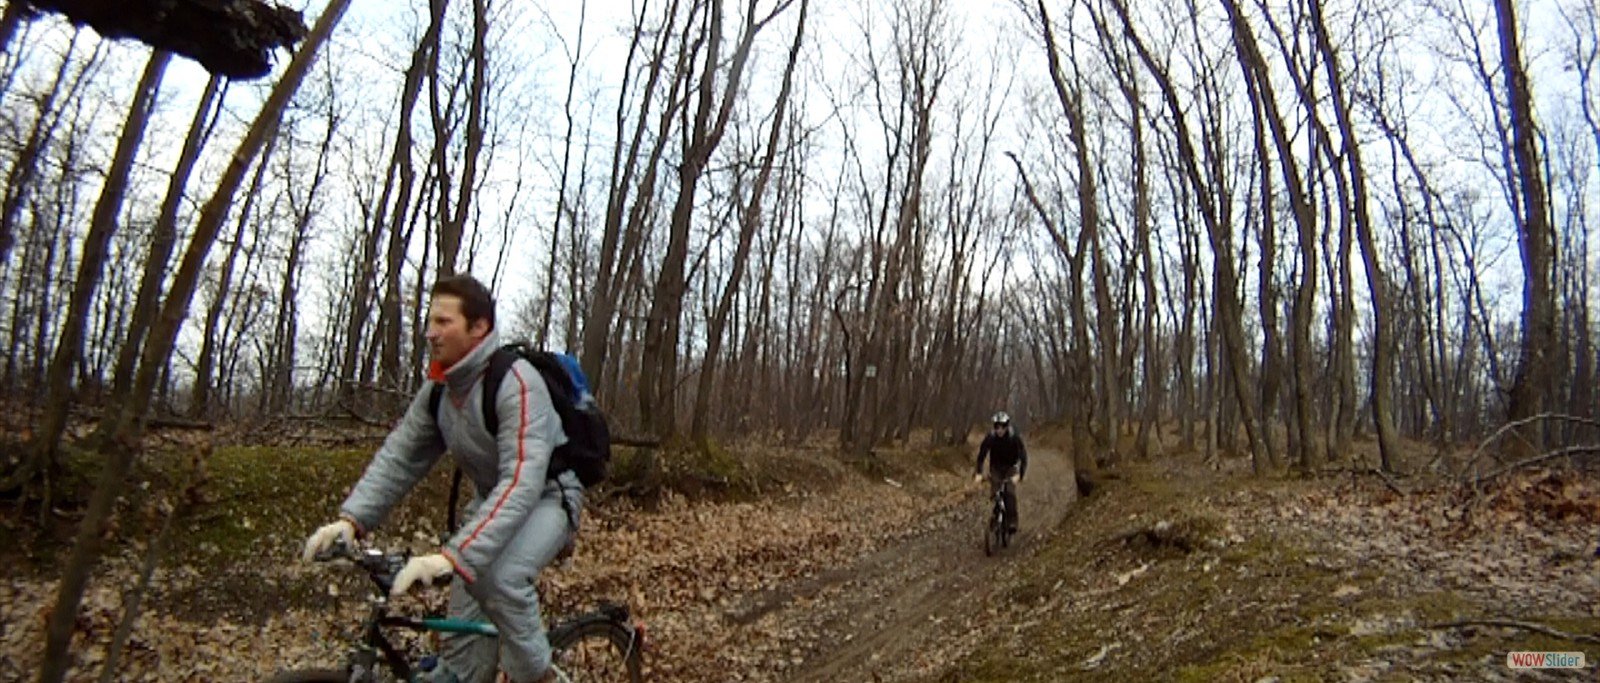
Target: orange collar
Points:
(437, 370)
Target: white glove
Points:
(421, 569)
(977, 478)
(1016, 479)
(323, 538)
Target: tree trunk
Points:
(1535, 363)
(452, 229)
(542, 334)
(448, 238)
(1258, 79)
(201, 403)
(659, 371)
(25, 166)
(123, 449)
(278, 394)
(597, 327)
(1377, 282)
(1070, 98)
(91, 266)
(1271, 353)
(163, 237)
(749, 220)
(1228, 313)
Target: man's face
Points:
(450, 338)
(1000, 428)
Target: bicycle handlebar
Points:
(382, 567)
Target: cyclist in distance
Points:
(1008, 464)
(522, 514)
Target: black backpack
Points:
(587, 451)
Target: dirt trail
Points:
(894, 612)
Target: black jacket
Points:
(1004, 453)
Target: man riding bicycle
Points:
(522, 514)
(1008, 464)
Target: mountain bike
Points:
(996, 534)
(602, 645)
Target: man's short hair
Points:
(476, 301)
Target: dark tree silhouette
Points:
(233, 38)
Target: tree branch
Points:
(1524, 625)
(1550, 455)
(1509, 426)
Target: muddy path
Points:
(900, 610)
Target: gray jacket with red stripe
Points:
(507, 469)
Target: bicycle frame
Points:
(995, 533)
(375, 640)
(374, 648)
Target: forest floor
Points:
(1173, 569)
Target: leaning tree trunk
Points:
(91, 266)
(122, 449)
(163, 238)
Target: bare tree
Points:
(91, 264)
(1228, 315)
(750, 219)
(1258, 80)
(47, 119)
(163, 237)
(202, 404)
(453, 219)
(659, 369)
(394, 204)
(616, 244)
(1070, 96)
(279, 372)
(1535, 364)
(121, 451)
(1377, 280)
(563, 191)
(922, 61)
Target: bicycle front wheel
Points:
(312, 676)
(599, 651)
(990, 542)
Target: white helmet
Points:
(1001, 419)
